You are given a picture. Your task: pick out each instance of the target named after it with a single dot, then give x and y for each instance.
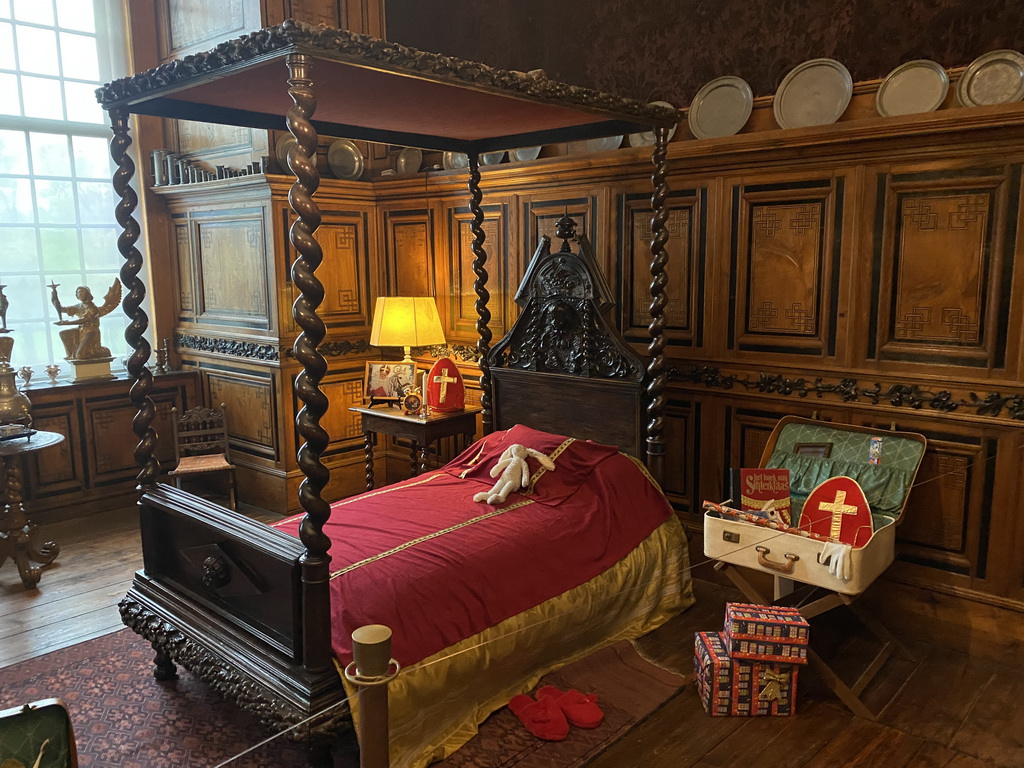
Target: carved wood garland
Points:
(562, 328)
(134, 334)
(315, 561)
(483, 330)
(657, 377)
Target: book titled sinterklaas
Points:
(763, 492)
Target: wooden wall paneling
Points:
(456, 297)
(955, 506)
(687, 266)
(944, 256)
(231, 253)
(250, 395)
(108, 418)
(260, 448)
(185, 274)
(348, 271)
(786, 245)
(59, 470)
(190, 26)
(409, 240)
(683, 458)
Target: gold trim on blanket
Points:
(643, 468)
(428, 537)
(553, 456)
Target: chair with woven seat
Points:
(201, 445)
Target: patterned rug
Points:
(124, 718)
(628, 690)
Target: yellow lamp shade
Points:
(406, 321)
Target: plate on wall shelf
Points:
(996, 77)
(912, 88)
(720, 108)
(492, 158)
(646, 138)
(345, 159)
(816, 92)
(455, 161)
(589, 146)
(284, 143)
(525, 154)
(409, 161)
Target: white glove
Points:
(838, 555)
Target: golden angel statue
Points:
(82, 342)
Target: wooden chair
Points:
(201, 445)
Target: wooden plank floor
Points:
(942, 710)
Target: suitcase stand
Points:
(850, 695)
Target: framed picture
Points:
(387, 380)
(820, 450)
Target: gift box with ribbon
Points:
(768, 633)
(745, 687)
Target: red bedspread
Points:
(426, 560)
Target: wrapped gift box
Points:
(768, 633)
(743, 687)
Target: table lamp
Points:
(406, 321)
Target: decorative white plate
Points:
(992, 78)
(720, 108)
(816, 92)
(453, 161)
(492, 158)
(646, 138)
(917, 86)
(409, 161)
(284, 143)
(604, 144)
(524, 154)
(345, 159)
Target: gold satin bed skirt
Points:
(437, 704)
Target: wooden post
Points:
(371, 652)
(483, 344)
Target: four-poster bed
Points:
(246, 606)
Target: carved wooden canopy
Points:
(379, 91)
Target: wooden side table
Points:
(17, 534)
(422, 431)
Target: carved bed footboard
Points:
(220, 594)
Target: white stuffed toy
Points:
(514, 471)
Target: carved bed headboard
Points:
(562, 367)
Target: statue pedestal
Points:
(97, 368)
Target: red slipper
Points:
(580, 709)
(543, 717)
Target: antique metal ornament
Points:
(88, 357)
(15, 408)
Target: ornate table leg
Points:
(423, 459)
(19, 534)
(368, 452)
(413, 464)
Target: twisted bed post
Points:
(315, 560)
(656, 374)
(483, 344)
(134, 334)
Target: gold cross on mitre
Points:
(444, 381)
(838, 508)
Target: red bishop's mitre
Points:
(445, 390)
(838, 509)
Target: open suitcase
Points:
(793, 556)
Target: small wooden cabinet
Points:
(94, 468)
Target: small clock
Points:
(412, 402)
